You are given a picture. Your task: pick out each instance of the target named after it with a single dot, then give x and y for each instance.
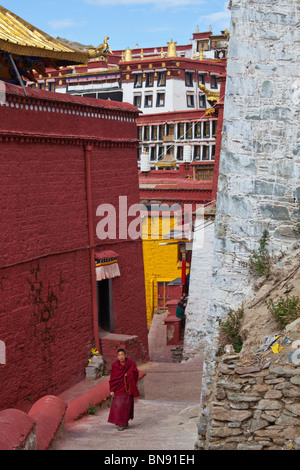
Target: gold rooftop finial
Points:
(100, 51)
(128, 55)
(172, 49)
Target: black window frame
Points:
(146, 103)
(192, 97)
(162, 79)
(136, 97)
(148, 75)
(136, 78)
(157, 99)
(189, 79)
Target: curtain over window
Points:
(106, 265)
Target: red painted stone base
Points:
(111, 342)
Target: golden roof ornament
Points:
(128, 55)
(100, 51)
(212, 96)
(172, 49)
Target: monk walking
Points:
(123, 389)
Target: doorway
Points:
(105, 305)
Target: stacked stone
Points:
(94, 370)
(253, 407)
(177, 353)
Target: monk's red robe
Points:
(125, 389)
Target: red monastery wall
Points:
(46, 317)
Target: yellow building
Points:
(162, 259)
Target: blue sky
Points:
(148, 23)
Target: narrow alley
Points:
(166, 419)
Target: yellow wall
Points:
(160, 262)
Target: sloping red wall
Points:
(46, 319)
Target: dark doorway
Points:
(105, 305)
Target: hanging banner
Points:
(106, 265)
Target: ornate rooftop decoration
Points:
(24, 48)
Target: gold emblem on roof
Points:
(100, 51)
(212, 96)
(172, 49)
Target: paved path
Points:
(166, 419)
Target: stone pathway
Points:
(166, 419)
(157, 426)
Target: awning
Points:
(106, 265)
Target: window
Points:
(197, 152)
(202, 101)
(197, 131)
(206, 129)
(137, 101)
(213, 81)
(152, 153)
(202, 46)
(161, 80)
(140, 133)
(149, 79)
(170, 130)
(188, 78)
(161, 131)
(170, 150)
(160, 152)
(213, 151)
(146, 133)
(180, 131)
(201, 78)
(214, 127)
(148, 101)
(153, 132)
(51, 86)
(160, 101)
(139, 153)
(138, 81)
(190, 101)
(179, 153)
(205, 153)
(189, 131)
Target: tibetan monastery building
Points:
(64, 289)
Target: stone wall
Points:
(255, 406)
(199, 288)
(258, 184)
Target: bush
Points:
(230, 330)
(260, 261)
(91, 409)
(285, 310)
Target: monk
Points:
(123, 389)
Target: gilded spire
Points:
(128, 55)
(172, 49)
